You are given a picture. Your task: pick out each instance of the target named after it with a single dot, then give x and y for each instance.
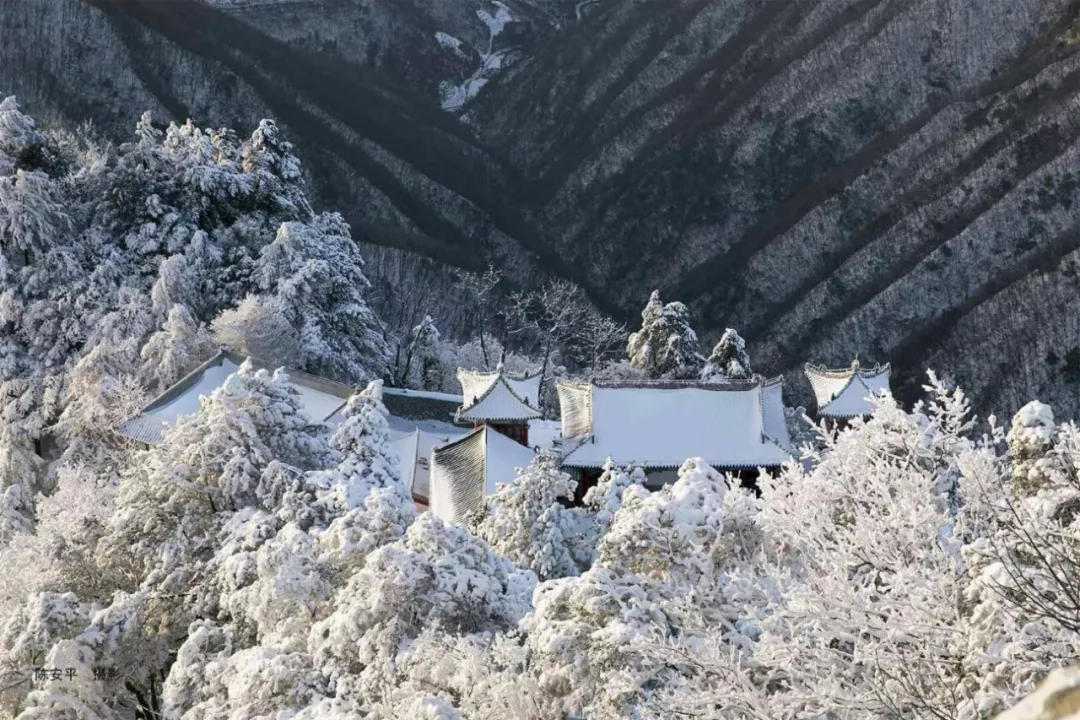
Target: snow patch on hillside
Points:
(450, 43)
(497, 22)
(454, 95)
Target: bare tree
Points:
(421, 346)
(560, 317)
(481, 287)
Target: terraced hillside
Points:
(895, 178)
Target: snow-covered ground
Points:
(455, 95)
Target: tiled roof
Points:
(419, 405)
(491, 397)
(414, 450)
(844, 393)
(659, 425)
(464, 472)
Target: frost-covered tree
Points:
(666, 346)
(30, 216)
(104, 391)
(480, 288)
(437, 576)
(175, 350)
(259, 327)
(563, 323)
(316, 272)
(527, 522)
(598, 640)
(603, 500)
(728, 360)
(20, 141)
(1024, 562)
(417, 363)
(866, 554)
(19, 463)
(368, 459)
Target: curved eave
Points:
(841, 416)
(466, 418)
(528, 411)
(649, 466)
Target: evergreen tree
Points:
(368, 459)
(30, 216)
(526, 521)
(729, 360)
(666, 346)
(20, 142)
(317, 273)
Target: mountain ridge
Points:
(832, 178)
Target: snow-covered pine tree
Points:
(666, 346)
(19, 138)
(525, 521)
(268, 157)
(30, 216)
(368, 459)
(316, 271)
(728, 360)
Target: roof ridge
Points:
(294, 373)
(182, 384)
(461, 439)
(758, 381)
(823, 371)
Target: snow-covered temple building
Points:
(735, 426)
(419, 421)
(466, 471)
(500, 407)
(844, 394)
(415, 449)
(322, 399)
(500, 401)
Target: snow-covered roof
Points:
(464, 472)
(545, 434)
(425, 394)
(322, 399)
(414, 453)
(732, 424)
(495, 396)
(844, 393)
(420, 405)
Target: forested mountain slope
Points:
(893, 178)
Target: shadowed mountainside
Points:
(894, 178)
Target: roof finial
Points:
(855, 362)
(499, 367)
